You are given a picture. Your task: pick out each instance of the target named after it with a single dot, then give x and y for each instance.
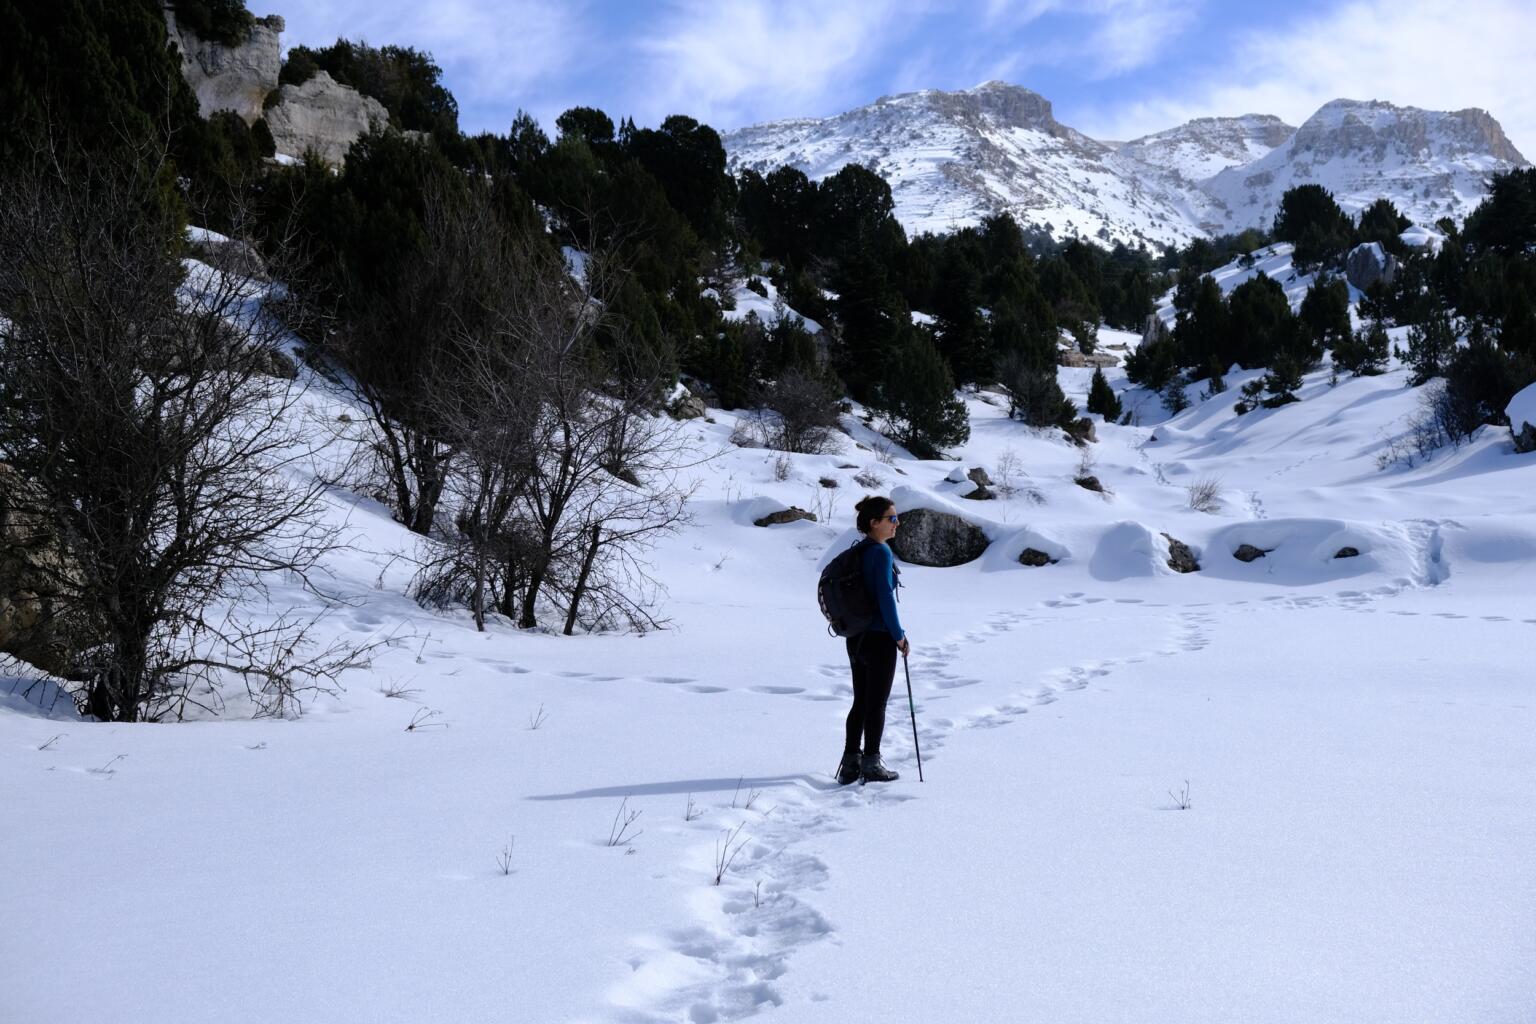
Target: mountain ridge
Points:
(954, 157)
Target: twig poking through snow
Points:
(623, 818)
(504, 858)
(1181, 798)
(724, 852)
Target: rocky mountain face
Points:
(1206, 146)
(320, 115)
(954, 157)
(1430, 163)
(234, 78)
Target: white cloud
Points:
(1421, 53)
(728, 64)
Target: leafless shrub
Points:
(781, 468)
(691, 811)
(398, 690)
(869, 480)
(152, 410)
(1205, 495)
(727, 847)
(884, 451)
(504, 858)
(1432, 426)
(623, 820)
(1181, 798)
(423, 719)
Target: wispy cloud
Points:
(1423, 53)
(732, 63)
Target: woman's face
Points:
(883, 528)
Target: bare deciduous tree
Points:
(137, 399)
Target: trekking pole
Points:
(912, 708)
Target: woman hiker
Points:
(872, 653)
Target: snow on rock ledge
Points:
(1522, 419)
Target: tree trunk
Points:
(581, 580)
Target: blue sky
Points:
(1113, 68)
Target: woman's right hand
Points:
(903, 645)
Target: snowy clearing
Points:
(1355, 738)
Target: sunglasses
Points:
(893, 517)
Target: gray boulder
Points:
(1248, 553)
(234, 78)
(1368, 263)
(1180, 557)
(977, 475)
(981, 493)
(1034, 557)
(324, 116)
(686, 406)
(1525, 437)
(788, 515)
(941, 539)
(1347, 552)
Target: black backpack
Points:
(845, 600)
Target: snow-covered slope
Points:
(954, 157)
(1198, 149)
(1431, 164)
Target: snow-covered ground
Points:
(1357, 737)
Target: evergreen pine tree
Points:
(1176, 395)
(916, 397)
(1430, 345)
(1102, 398)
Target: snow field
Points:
(1356, 734)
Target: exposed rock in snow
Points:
(234, 78)
(930, 537)
(1369, 263)
(322, 115)
(1522, 419)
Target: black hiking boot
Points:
(848, 769)
(873, 770)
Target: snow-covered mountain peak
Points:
(952, 158)
(1205, 146)
(1430, 163)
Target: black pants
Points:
(872, 656)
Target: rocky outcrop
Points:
(1347, 552)
(981, 493)
(686, 406)
(788, 515)
(942, 539)
(234, 78)
(1035, 558)
(1180, 557)
(1521, 411)
(1076, 358)
(35, 623)
(1368, 264)
(324, 116)
(1248, 553)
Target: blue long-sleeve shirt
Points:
(879, 567)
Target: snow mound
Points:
(1302, 551)
(1125, 550)
(1004, 554)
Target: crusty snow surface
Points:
(1357, 737)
